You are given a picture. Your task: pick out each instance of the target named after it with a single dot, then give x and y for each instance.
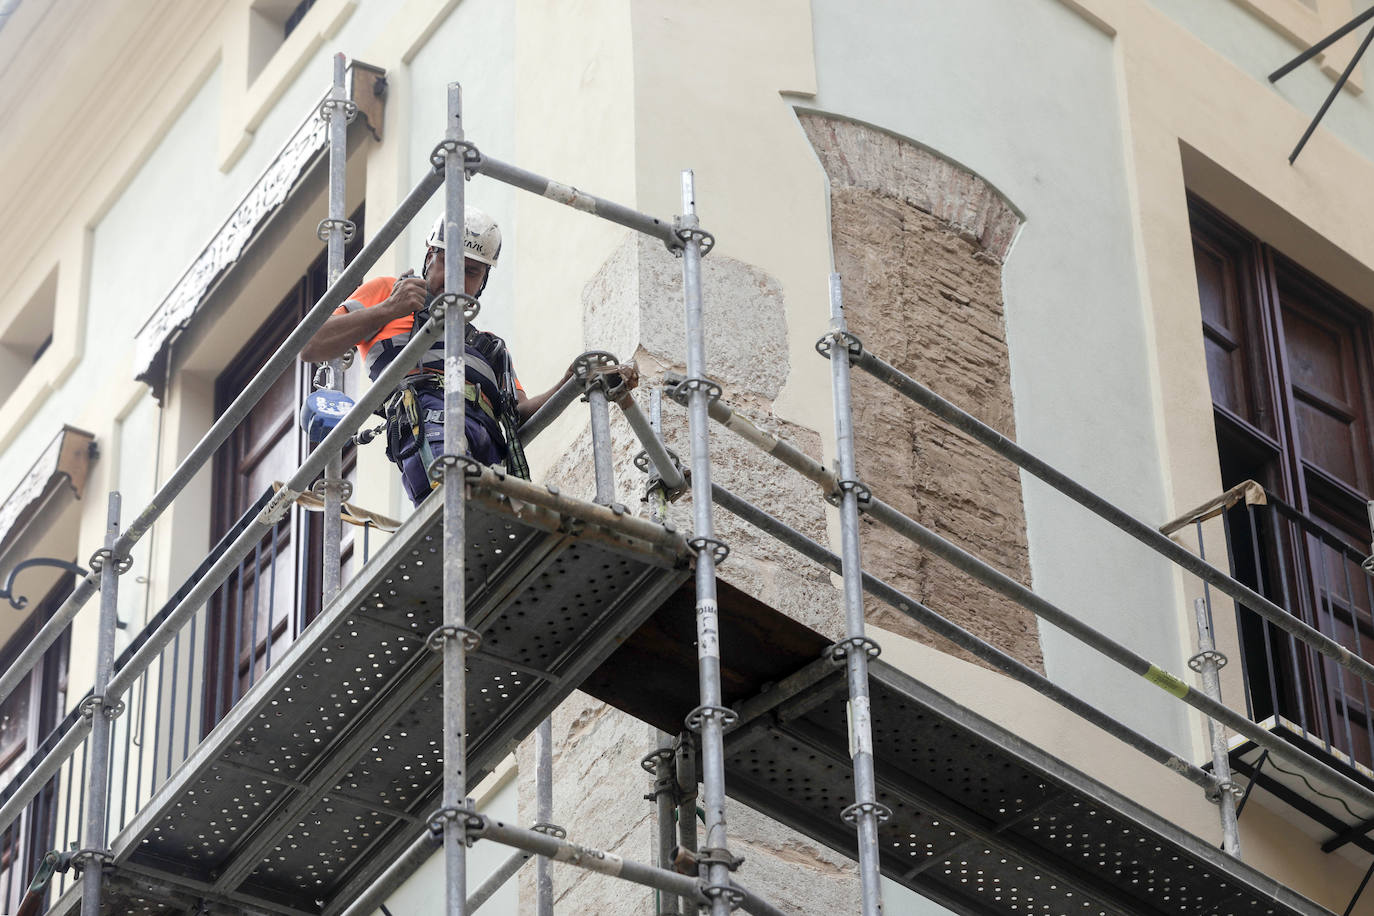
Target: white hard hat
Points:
(481, 236)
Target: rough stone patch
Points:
(917, 292)
(859, 156)
(634, 303)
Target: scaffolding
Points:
(499, 597)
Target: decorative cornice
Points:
(67, 458)
(365, 85)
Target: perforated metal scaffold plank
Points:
(982, 822)
(330, 765)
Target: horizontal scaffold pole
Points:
(1009, 588)
(652, 226)
(551, 410)
(608, 863)
(663, 462)
(276, 364)
(1113, 514)
(942, 626)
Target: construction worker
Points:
(379, 319)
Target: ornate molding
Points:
(67, 458)
(279, 180)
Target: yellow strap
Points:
(470, 391)
(479, 397)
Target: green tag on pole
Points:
(1166, 681)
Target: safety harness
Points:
(493, 369)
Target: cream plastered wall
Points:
(714, 88)
(576, 123)
(151, 210)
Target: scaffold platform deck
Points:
(331, 764)
(982, 822)
(329, 767)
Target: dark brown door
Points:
(275, 592)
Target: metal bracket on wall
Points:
(1312, 52)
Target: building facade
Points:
(1076, 219)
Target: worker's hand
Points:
(408, 295)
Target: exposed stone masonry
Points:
(919, 244)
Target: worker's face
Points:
(474, 273)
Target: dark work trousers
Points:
(484, 442)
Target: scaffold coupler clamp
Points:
(719, 550)
(343, 487)
(732, 895)
(80, 859)
(687, 228)
(1225, 787)
(329, 106)
(472, 640)
(471, 823)
(679, 387)
(827, 342)
(602, 369)
(712, 855)
(655, 482)
(52, 863)
(438, 307)
(443, 463)
(839, 652)
(328, 225)
(109, 710)
(666, 782)
(862, 493)
(120, 564)
(851, 814)
(1201, 660)
(697, 718)
(472, 157)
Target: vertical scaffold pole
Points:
(711, 717)
(856, 648)
(685, 772)
(94, 849)
(543, 813)
(1207, 663)
(665, 780)
(664, 796)
(602, 460)
(333, 472)
(456, 643)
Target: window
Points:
(275, 592)
(1290, 363)
(26, 717)
(28, 334)
(269, 24)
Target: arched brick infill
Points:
(919, 243)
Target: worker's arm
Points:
(627, 375)
(526, 406)
(340, 333)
